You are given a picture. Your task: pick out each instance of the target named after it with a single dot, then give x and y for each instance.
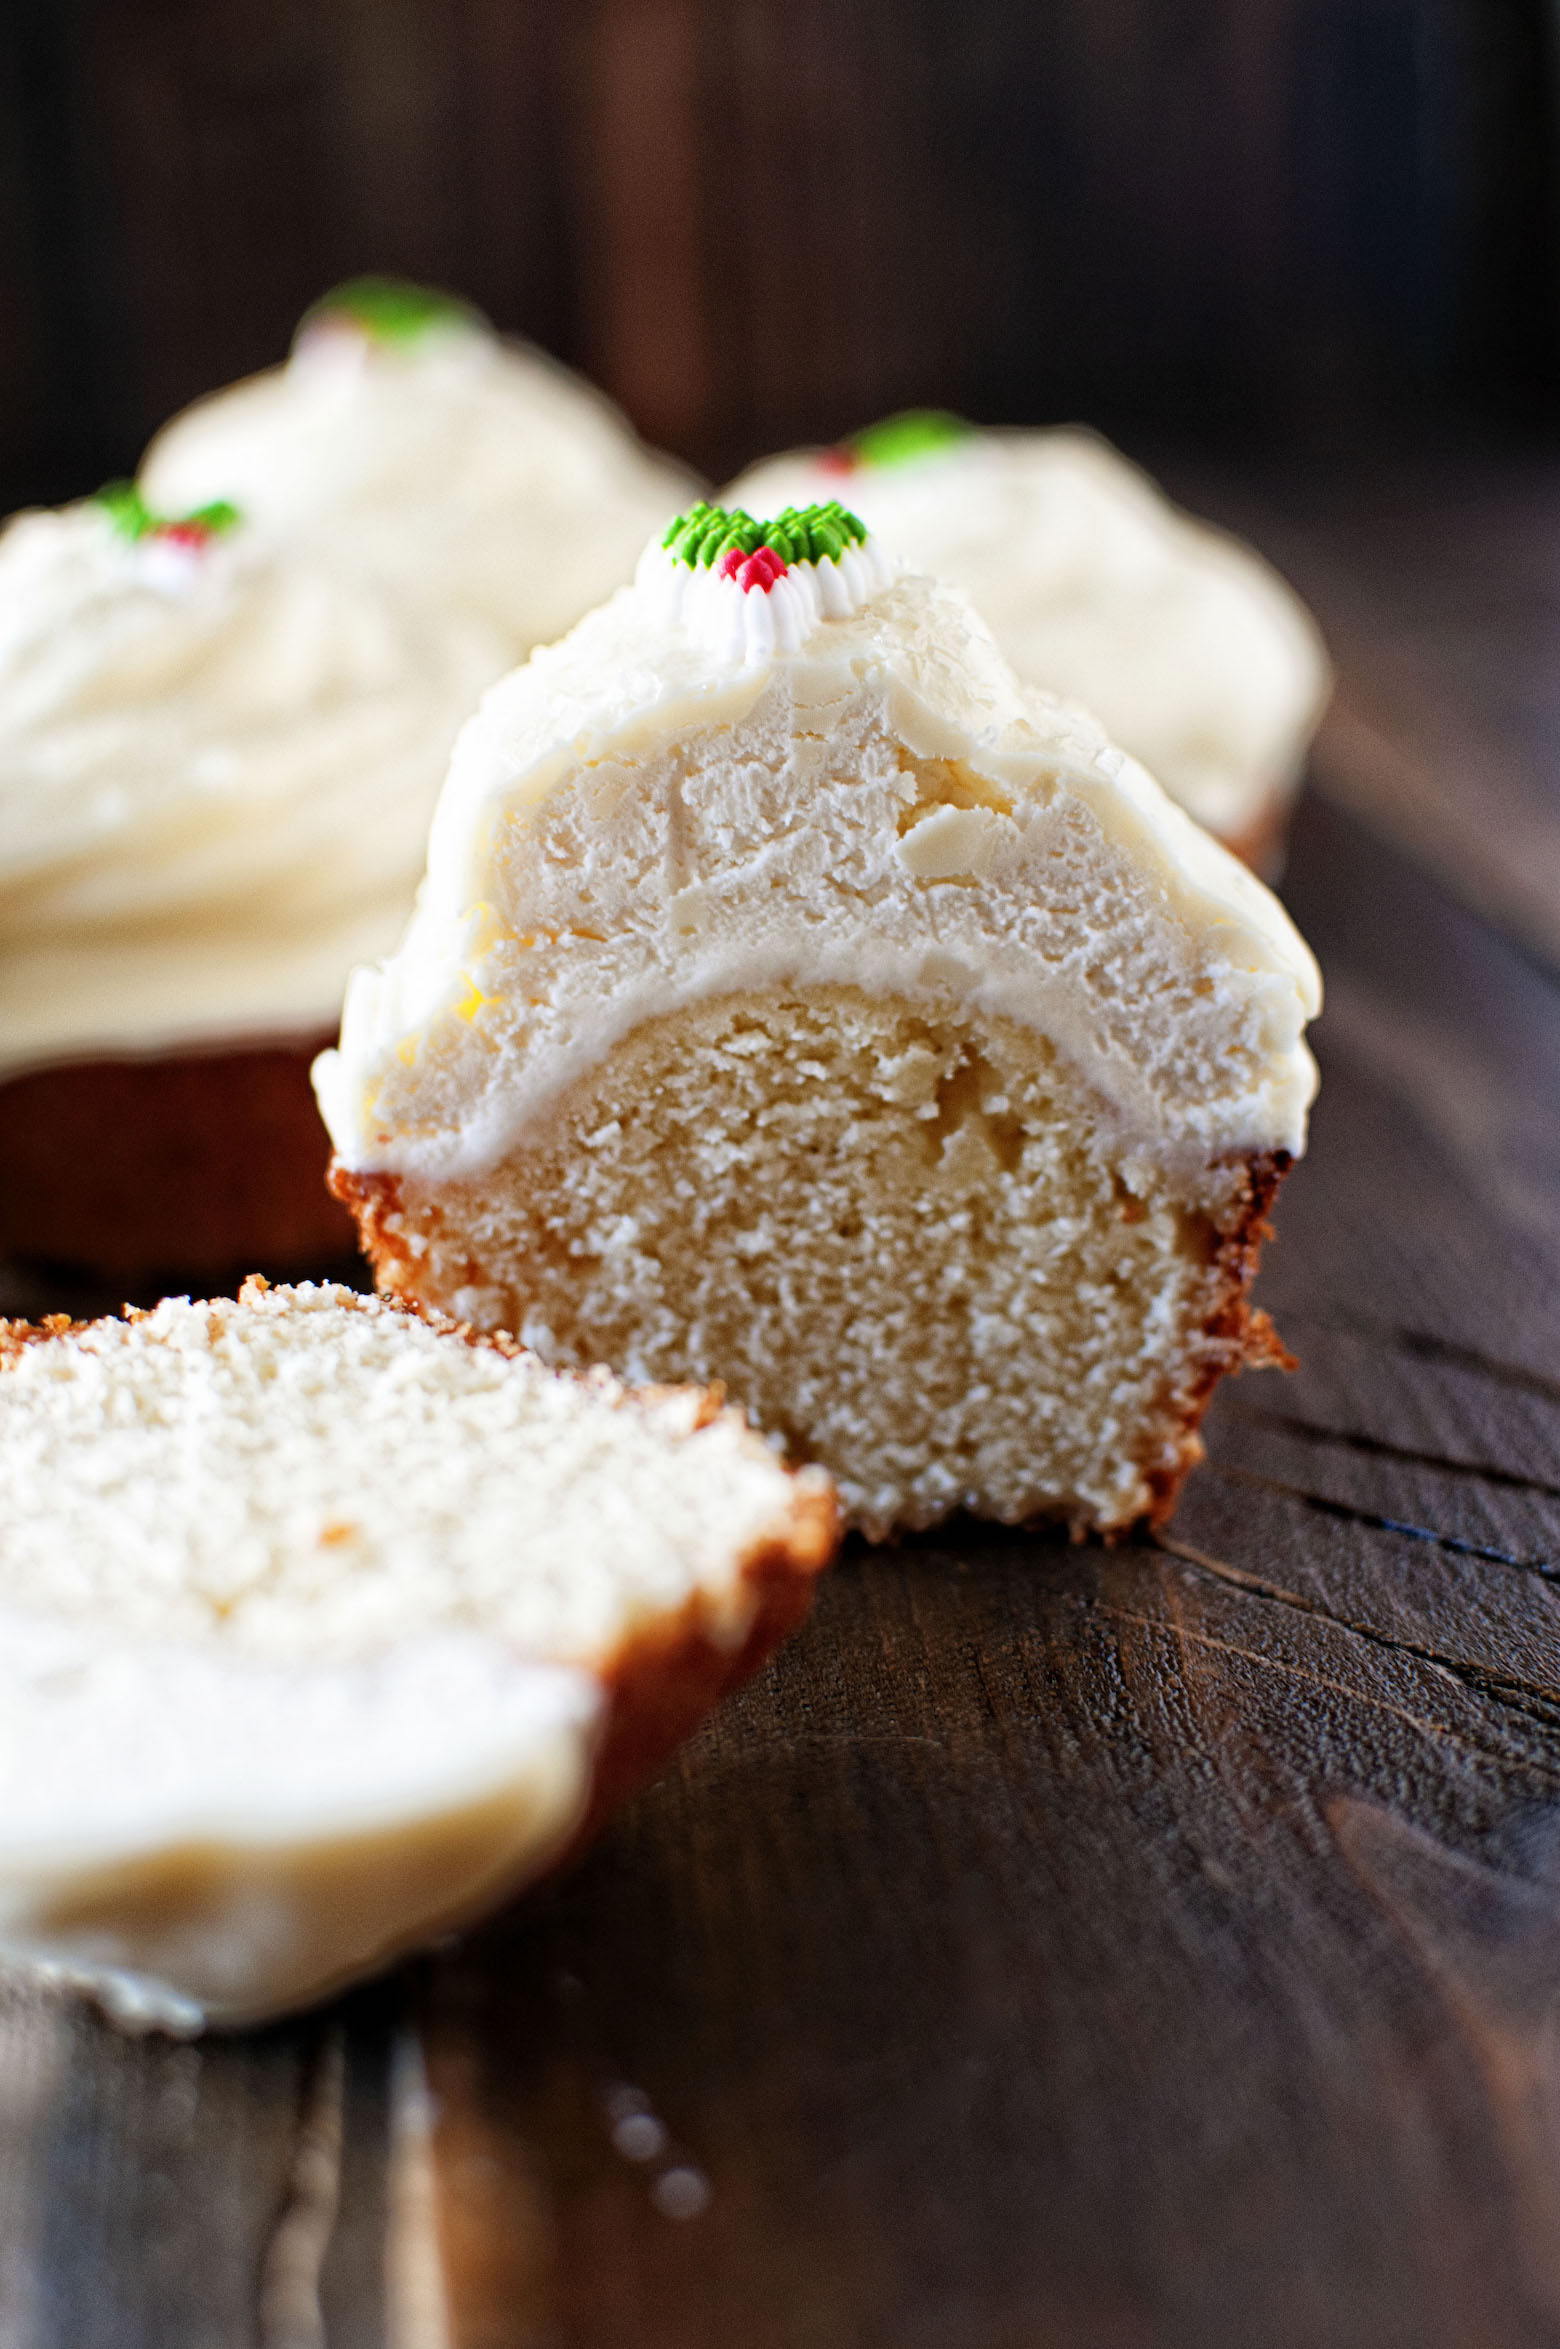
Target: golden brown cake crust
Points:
(185, 1162)
(664, 1684)
(1245, 1334)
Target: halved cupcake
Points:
(327, 1630)
(797, 1000)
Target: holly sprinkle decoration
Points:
(897, 440)
(134, 520)
(388, 312)
(748, 590)
(757, 554)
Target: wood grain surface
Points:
(1109, 1949)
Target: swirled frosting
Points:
(220, 747)
(216, 768)
(470, 472)
(1193, 654)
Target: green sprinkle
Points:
(915, 432)
(701, 536)
(133, 518)
(820, 532)
(390, 310)
(802, 534)
(221, 515)
(126, 509)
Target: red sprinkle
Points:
(836, 460)
(760, 569)
(190, 534)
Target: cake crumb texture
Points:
(307, 1472)
(912, 1245)
(325, 1628)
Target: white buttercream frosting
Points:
(647, 815)
(217, 766)
(1190, 650)
(467, 471)
(218, 1796)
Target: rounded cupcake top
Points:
(388, 313)
(1194, 654)
(217, 763)
(467, 470)
(228, 690)
(185, 712)
(715, 782)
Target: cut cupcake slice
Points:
(796, 1000)
(1192, 652)
(326, 1630)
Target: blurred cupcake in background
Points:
(460, 468)
(224, 719)
(1190, 649)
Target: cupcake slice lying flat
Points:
(326, 1630)
(1193, 654)
(797, 1001)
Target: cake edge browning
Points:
(1238, 1335)
(662, 1683)
(1243, 1334)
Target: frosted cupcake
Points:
(797, 1000)
(1190, 650)
(459, 467)
(224, 718)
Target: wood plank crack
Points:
(1287, 1668)
(1308, 1431)
(1353, 1513)
(1535, 1702)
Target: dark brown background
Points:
(1317, 222)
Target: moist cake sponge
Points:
(796, 1000)
(326, 1629)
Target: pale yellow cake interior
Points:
(911, 1243)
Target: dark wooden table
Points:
(1079, 1947)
